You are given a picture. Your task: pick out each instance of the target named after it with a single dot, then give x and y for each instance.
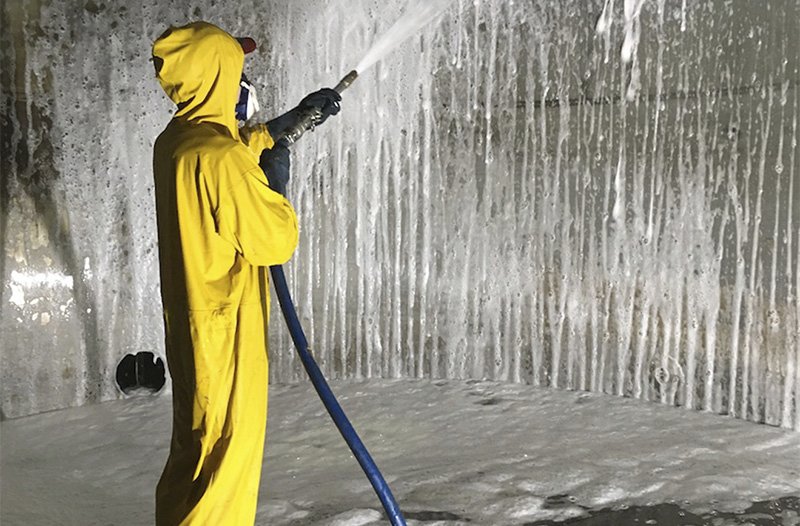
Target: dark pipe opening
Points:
(144, 372)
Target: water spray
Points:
(307, 122)
(312, 117)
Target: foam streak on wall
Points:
(551, 228)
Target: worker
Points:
(220, 223)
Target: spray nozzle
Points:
(345, 82)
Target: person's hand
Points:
(276, 163)
(321, 104)
(325, 101)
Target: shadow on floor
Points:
(777, 512)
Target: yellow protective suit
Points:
(219, 225)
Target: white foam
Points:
(535, 454)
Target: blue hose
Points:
(331, 404)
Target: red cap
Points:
(247, 43)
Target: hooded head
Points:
(199, 66)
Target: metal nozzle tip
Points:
(346, 81)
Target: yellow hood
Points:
(199, 66)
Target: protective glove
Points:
(275, 163)
(324, 103)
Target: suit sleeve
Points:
(259, 222)
(257, 138)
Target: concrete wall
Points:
(498, 198)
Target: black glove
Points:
(276, 163)
(324, 102)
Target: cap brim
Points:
(247, 43)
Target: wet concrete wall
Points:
(502, 197)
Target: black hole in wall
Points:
(141, 372)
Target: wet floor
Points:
(525, 456)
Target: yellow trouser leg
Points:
(219, 407)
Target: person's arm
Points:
(262, 136)
(258, 221)
(257, 137)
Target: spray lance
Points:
(312, 117)
(307, 121)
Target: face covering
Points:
(248, 103)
